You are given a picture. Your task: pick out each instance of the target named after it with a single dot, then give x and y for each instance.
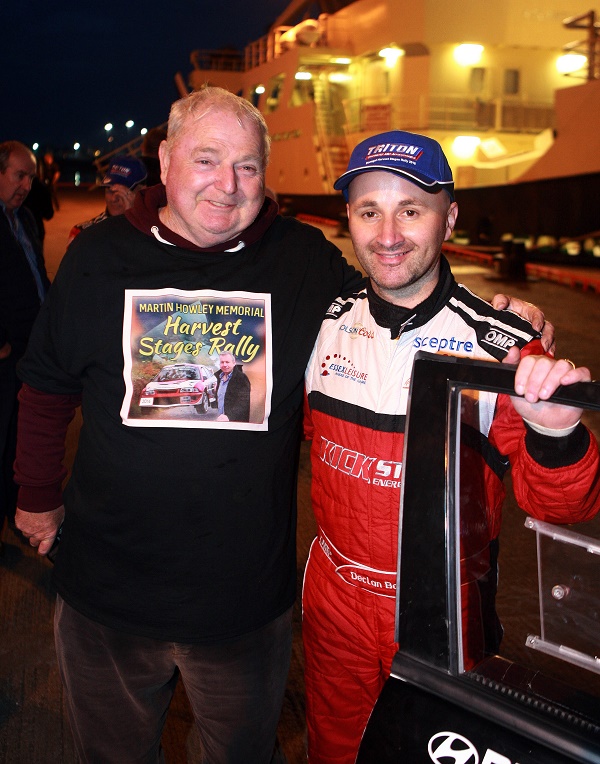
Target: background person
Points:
(39, 201)
(233, 390)
(150, 146)
(50, 174)
(401, 209)
(23, 285)
(125, 177)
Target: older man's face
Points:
(214, 176)
(15, 181)
(227, 363)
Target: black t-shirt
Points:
(174, 532)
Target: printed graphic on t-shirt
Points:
(197, 359)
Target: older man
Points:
(23, 285)
(156, 574)
(401, 209)
(233, 390)
(160, 573)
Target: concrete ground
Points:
(33, 726)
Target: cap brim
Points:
(426, 183)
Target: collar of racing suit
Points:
(397, 319)
(144, 216)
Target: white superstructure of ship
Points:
(328, 74)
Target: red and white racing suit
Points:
(357, 386)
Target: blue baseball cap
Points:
(417, 157)
(126, 170)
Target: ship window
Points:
(512, 81)
(255, 93)
(302, 93)
(477, 79)
(274, 90)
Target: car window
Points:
(533, 596)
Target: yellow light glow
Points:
(341, 60)
(468, 54)
(391, 55)
(303, 76)
(339, 77)
(464, 146)
(570, 62)
(493, 148)
(259, 89)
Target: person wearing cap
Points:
(401, 208)
(124, 178)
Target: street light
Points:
(129, 123)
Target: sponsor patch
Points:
(342, 366)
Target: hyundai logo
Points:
(450, 748)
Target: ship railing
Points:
(225, 60)
(258, 52)
(274, 44)
(446, 112)
(133, 148)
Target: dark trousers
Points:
(119, 687)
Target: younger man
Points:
(401, 209)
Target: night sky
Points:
(70, 66)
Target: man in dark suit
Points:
(233, 391)
(23, 285)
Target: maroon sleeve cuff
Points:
(40, 498)
(39, 471)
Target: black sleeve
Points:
(557, 452)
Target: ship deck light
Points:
(468, 54)
(391, 54)
(570, 62)
(465, 146)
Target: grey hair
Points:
(198, 103)
(10, 147)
